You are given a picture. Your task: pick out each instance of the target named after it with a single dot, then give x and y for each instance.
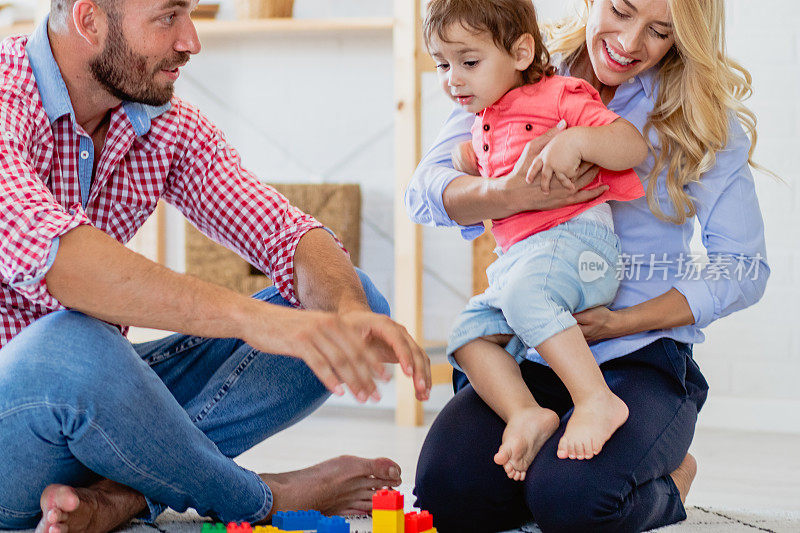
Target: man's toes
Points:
(386, 469)
(61, 497)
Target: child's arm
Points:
(496, 377)
(616, 146)
(464, 159)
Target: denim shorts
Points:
(536, 286)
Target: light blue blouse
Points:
(656, 255)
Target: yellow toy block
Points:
(431, 530)
(271, 529)
(388, 521)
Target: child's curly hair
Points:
(505, 20)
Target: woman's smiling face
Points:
(627, 37)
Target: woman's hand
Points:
(669, 310)
(472, 199)
(599, 323)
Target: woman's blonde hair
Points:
(700, 89)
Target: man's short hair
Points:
(60, 9)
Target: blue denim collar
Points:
(53, 90)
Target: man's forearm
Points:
(95, 274)
(324, 277)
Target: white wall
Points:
(319, 108)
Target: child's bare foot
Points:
(684, 475)
(526, 432)
(98, 508)
(592, 423)
(340, 486)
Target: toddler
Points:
(492, 62)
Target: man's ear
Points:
(90, 21)
(523, 52)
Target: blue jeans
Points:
(626, 488)
(538, 283)
(78, 401)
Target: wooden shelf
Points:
(254, 27)
(283, 26)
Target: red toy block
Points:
(243, 527)
(418, 522)
(387, 500)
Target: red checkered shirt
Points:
(181, 158)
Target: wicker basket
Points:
(259, 9)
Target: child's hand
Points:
(560, 159)
(465, 160)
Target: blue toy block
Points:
(294, 520)
(333, 524)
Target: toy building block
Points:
(384, 521)
(387, 512)
(294, 520)
(421, 522)
(242, 527)
(333, 524)
(387, 500)
(213, 528)
(271, 529)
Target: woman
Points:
(661, 65)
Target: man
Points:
(95, 430)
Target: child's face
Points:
(473, 70)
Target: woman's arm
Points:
(439, 195)
(670, 310)
(735, 277)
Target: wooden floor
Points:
(738, 471)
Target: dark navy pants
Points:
(625, 488)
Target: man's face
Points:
(143, 66)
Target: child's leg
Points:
(598, 411)
(496, 377)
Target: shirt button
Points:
(631, 81)
(84, 154)
(528, 127)
(220, 145)
(485, 127)
(485, 147)
(27, 277)
(8, 135)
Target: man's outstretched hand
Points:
(348, 348)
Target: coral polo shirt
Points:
(502, 130)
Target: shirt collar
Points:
(53, 90)
(647, 80)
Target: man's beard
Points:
(125, 74)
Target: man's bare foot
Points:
(525, 434)
(340, 486)
(592, 423)
(99, 508)
(684, 475)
